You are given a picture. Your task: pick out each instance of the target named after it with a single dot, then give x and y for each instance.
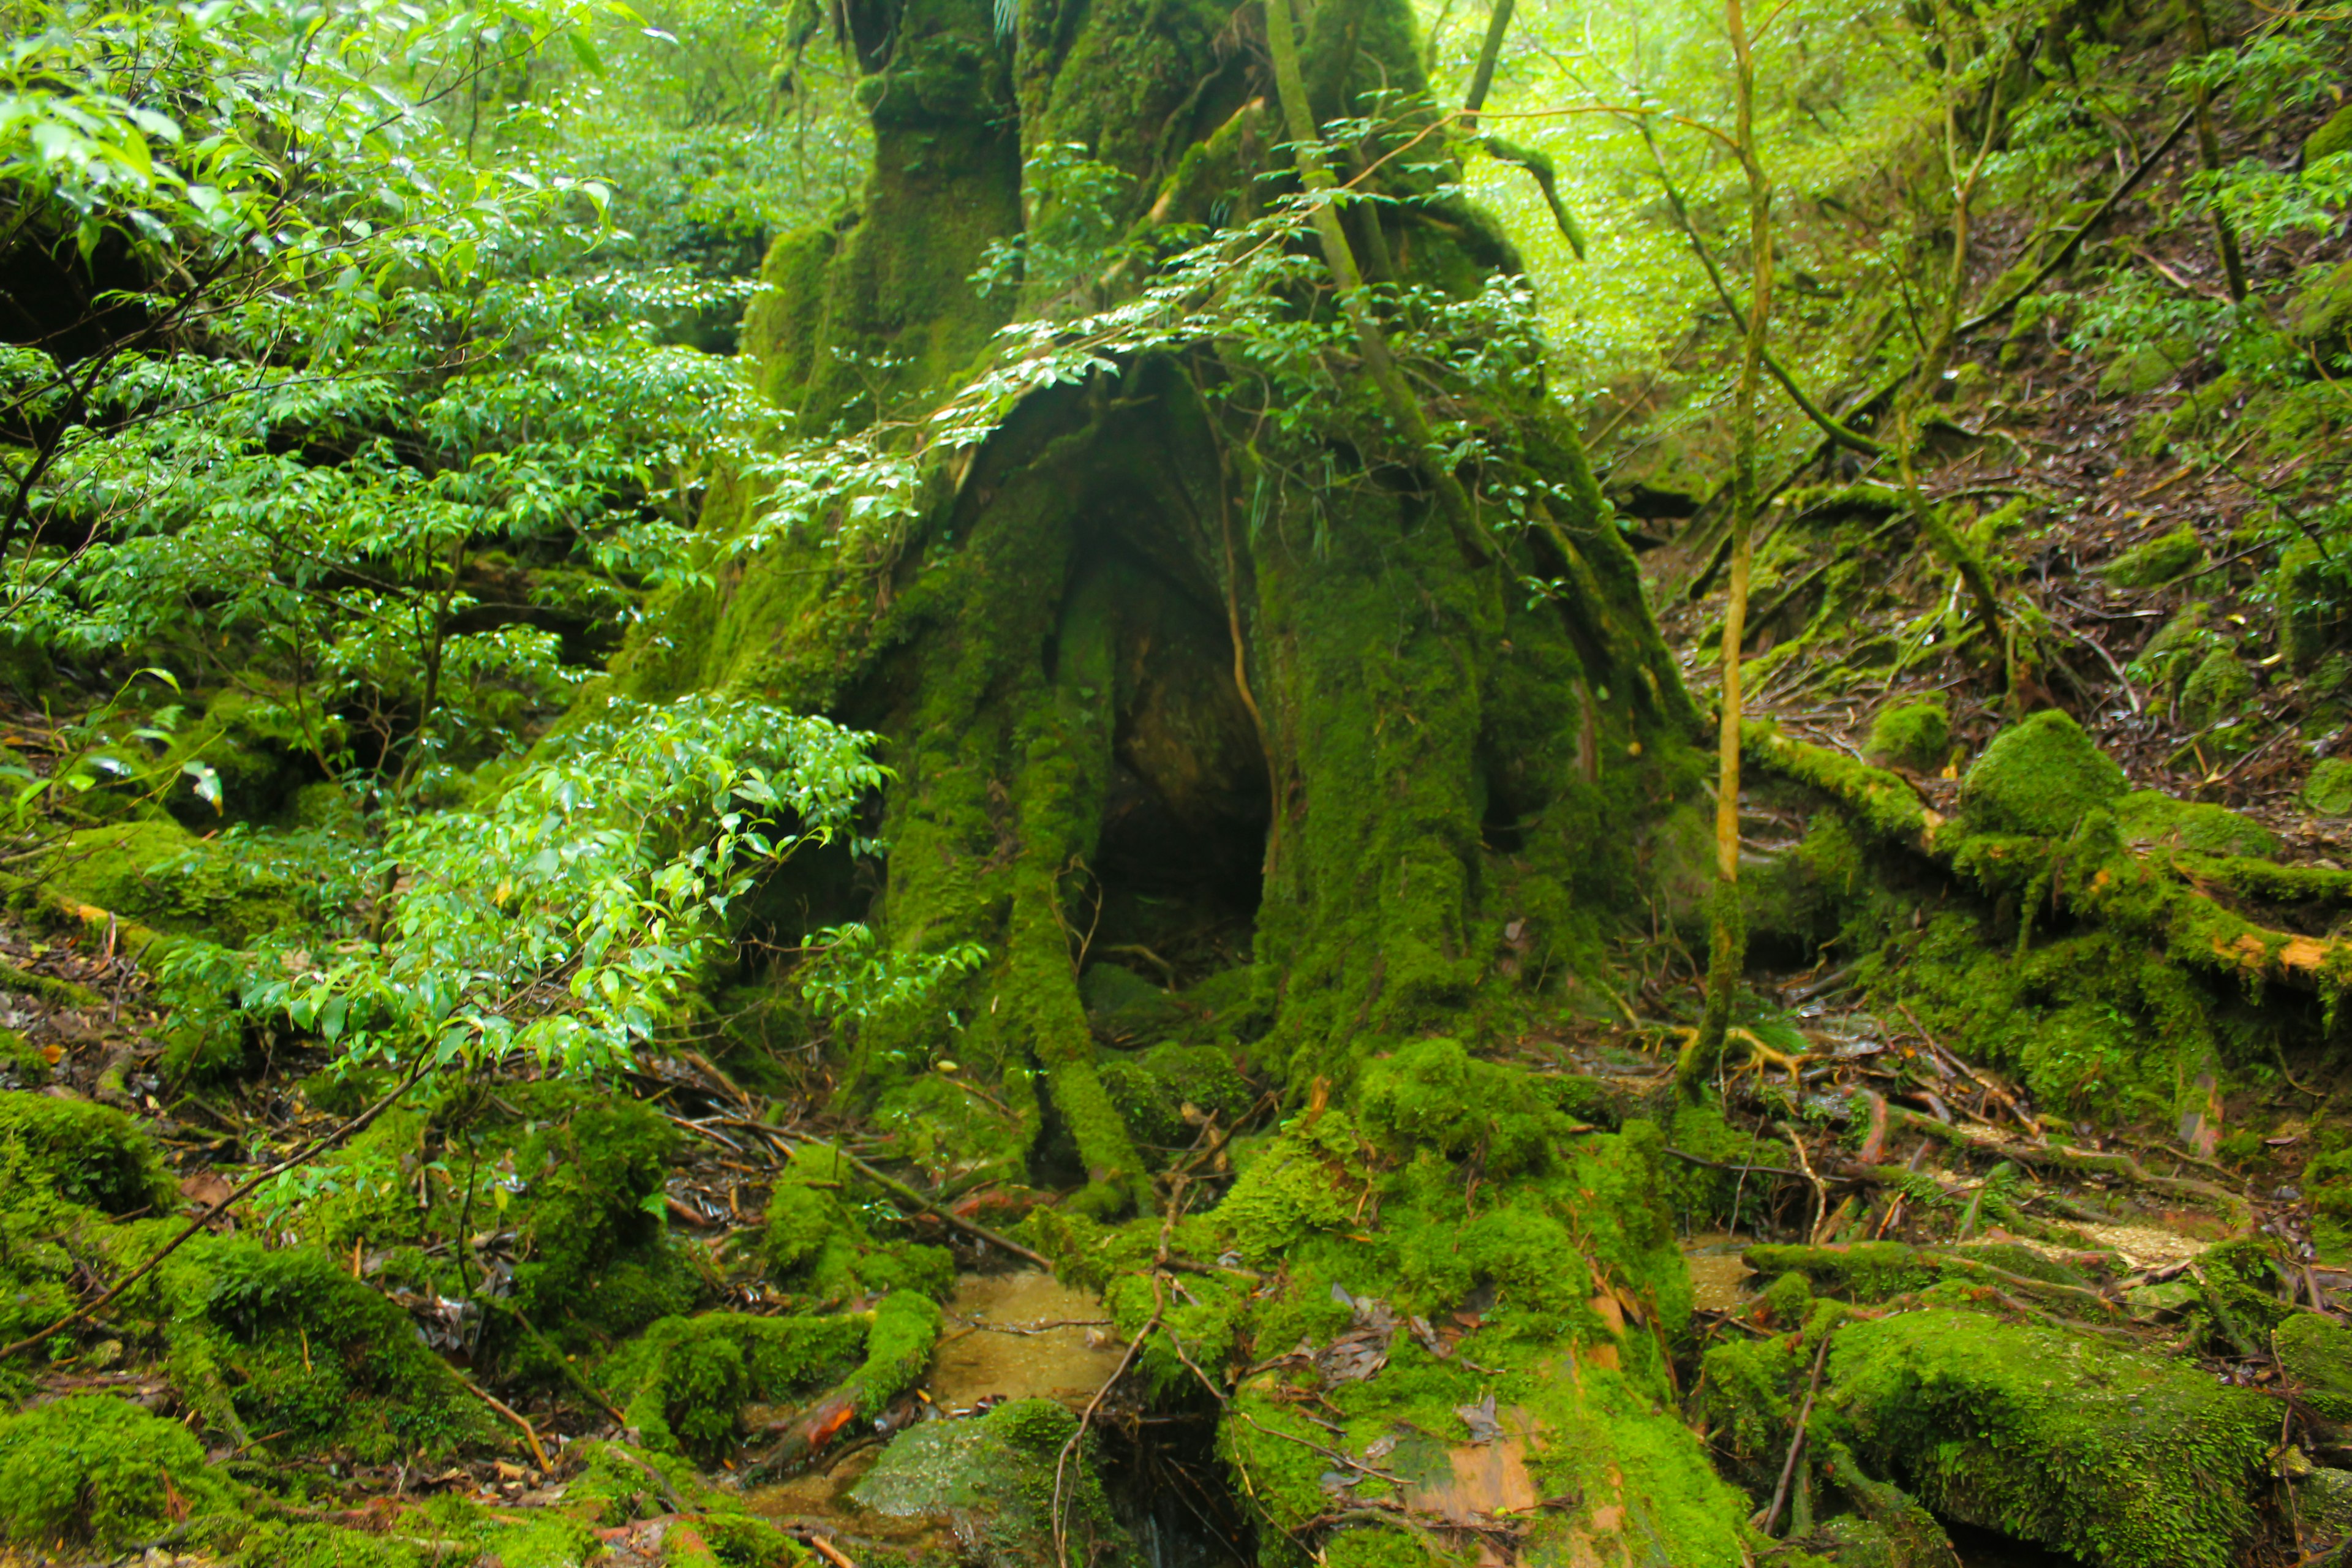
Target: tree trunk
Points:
(1178, 678)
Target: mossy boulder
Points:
(1165, 1093)
(2334, 136)
(91, 1468)
(575, 1173)
(819, 1245)
(1915, 735)
(1432, 1094)
(1125, 1007)
(2151, 816)
(155, 872)
(286, 1345)
(2322, 306)
(992, 1481)
(2039, 776)
(2118, 1458)
(2156, 560)
(2216, 688)
(2317, 1352)
(687, 1379)
(2328, 790)
(82, 1152)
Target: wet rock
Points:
(991, 1480)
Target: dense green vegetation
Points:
(1376, 678)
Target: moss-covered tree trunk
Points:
(1194, 687)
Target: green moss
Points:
(1432, 1094)
(91, 1468)
(1164, 1092)
(2151, 816)
(2216, 688)
(819, 1245)
(2316, 1353)
(2156, 560)
(617, 1483)
(22, 1064)
(1918, 735)
(84, 1154)
(684, 1379)
(288, 1545)
(993, 1479)
(155, 872)
(2328, 790)
(288, 1346)
(2118, 1458)
(2038, 776)
(2333, 135)
(575, 1173)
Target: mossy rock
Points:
(2166, 659)
(84, 1154)
(2120, 1459)
(581, 1174)
(1122, 1004)
(819, 1245)
(2039, 776)
(1915, 735)
(992, 1480)
(2328, 790)
(91, 1468)
(2317, 1352)
(155, 872)
(1432, 1094)
(2322, 306)
(2312, 617)
(1162, 1092)
(286, 1345)
(687, 1379)
(254, 745)
(2216, 688)
(2151, 816)
(278, 1544)
(2146, 367)
(2334, 136)
(2156, 560)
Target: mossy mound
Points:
(2117, 1457)
(286, 1345)
(2216, 688)
(2156, 560)
(686, 1379)
(992, 1480)
(1168, 1091)
(155, 872)
(820, 1246)
(84, 1154)
(2328, 790)
(94, 1469)
(1915, 735)
(575, 1175)
(2317, 1352)
(2038, 776)
(2150, 816)
(2334, 136)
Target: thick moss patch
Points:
(2039, 776)
(992, 1479)
(286, 1346)
(2118, 1458)
(94, 1469)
